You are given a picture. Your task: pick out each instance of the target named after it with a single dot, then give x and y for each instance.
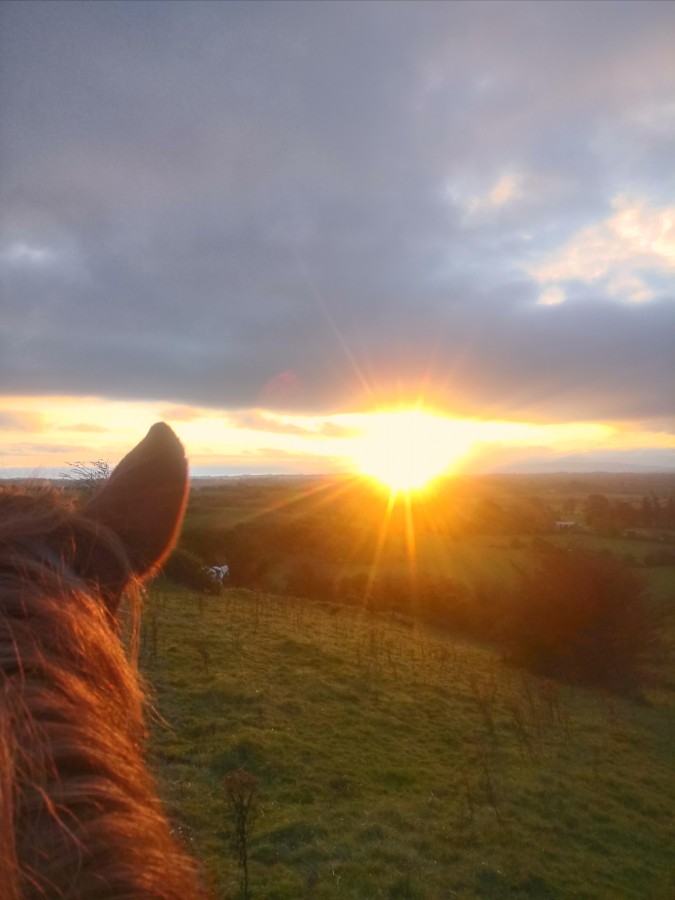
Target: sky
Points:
(265, 221)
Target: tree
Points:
(598, 511)
(88, 476)
(584, 618)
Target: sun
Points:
(407, 449)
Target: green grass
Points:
(478, 560)
(221, 518)
(397, 762)
(470, 559)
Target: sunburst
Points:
(406, 449)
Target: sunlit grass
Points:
(395, 761)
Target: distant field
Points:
(227, 517)
(397, 762)
(660, 579)
(475, 559)
(485, 560)
(327, 523)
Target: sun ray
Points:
(379, 547)
(411, 545)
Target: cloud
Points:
(480, 207)
(30, 449)
(552, 296)
(84, 427)
(21, 421)
(258, 420)
(19, 254)
(635, 244)
(181, 413)
(320, 207)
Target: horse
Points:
(79, 811)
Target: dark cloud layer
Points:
(308, 206)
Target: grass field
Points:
(351, 524)
(397, 762)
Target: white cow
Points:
(220, 573)
(217, 576)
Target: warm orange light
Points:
(406, 449)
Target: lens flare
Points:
(406, 449)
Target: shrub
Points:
(307, 580)
(187, 568)
(582, 618)
(241, 789)
(660, 558)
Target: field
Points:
(397, 759)
(475, 531)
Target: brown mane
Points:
(79, 814)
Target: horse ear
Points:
(144, 499)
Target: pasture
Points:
(396, 761)
(478, 531)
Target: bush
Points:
(582, 618)
(187, 568)
(306, 580)
(660, 558)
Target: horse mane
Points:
(79, 812)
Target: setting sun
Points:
(406, 449)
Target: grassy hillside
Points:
(397, 762)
